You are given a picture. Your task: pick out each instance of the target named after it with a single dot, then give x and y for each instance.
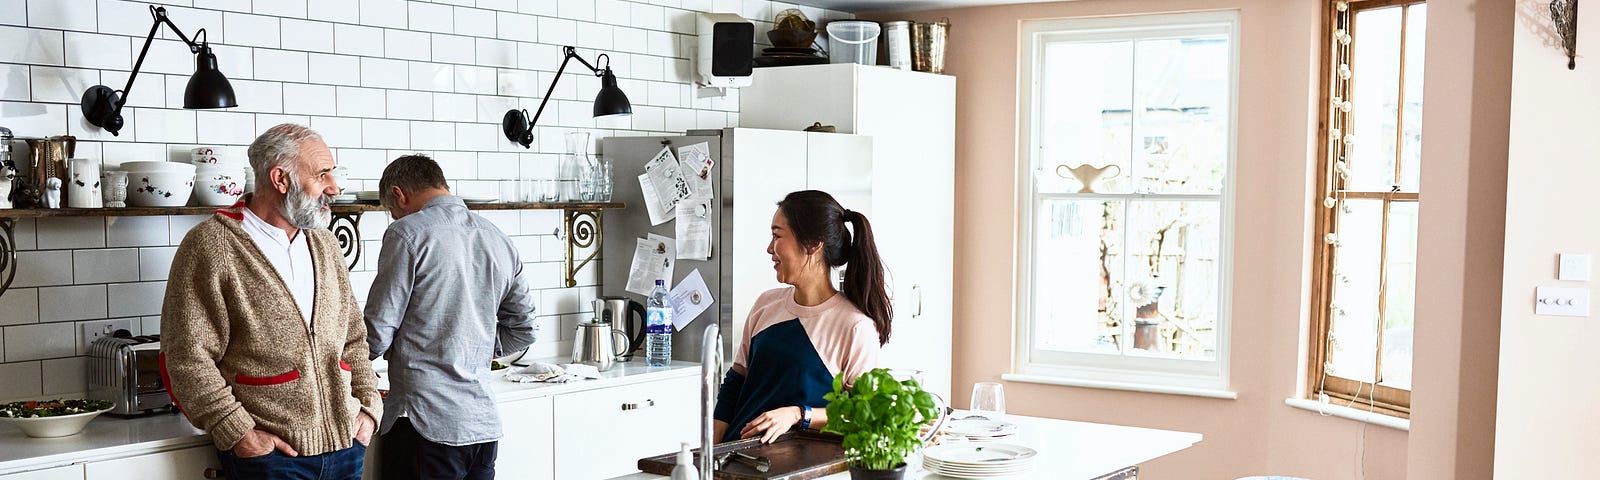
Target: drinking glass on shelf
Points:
(989, 400)
(549, 190)
(602, 180)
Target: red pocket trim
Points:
(344, 366)
(282, 378)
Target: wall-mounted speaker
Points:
(726, 52)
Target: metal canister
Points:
(928, 45)
(897, 41)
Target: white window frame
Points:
(1125, 372)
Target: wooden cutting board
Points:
(801, 455)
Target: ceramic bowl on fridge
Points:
(219, 186)
(159, 184)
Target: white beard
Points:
(305, 210)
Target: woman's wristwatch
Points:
(805, 416)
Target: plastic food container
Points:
(853, 41)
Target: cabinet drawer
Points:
(605, 432)
(526, 449)
(69, 472)
(177, 464)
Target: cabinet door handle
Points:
(647, 403)
(214, 473)
(918, 290)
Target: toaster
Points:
(126, 371)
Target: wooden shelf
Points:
(343, 208)
(580, 227)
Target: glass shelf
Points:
(580, 227)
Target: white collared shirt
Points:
(292, 259)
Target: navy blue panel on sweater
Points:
(784, 371)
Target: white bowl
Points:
(160, 189)
(219, 187)
(147, 166)
(57, 426)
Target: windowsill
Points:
(1349, 413)
(1132, 387)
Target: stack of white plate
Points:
(981, 430)
(367, 195)
(978, 460)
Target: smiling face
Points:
(794, 262)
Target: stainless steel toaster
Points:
(126, 371)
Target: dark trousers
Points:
(341, 465)
(406, 455)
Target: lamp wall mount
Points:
(207, 88)
(518, 126)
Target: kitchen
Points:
(383, 78)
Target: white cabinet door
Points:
(606, 431)
(767, 164)
(527, 448)
(69, 472)
(177, 464)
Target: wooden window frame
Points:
(1377, 398)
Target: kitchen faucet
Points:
(710, 366)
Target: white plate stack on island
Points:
(979, 460)
(979, 429)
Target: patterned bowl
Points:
(57, 426)
(219, 187)
(167, 185)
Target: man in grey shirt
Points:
(450, 295)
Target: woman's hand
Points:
(771, 424)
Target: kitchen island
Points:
(1067, 449)
(167, 446)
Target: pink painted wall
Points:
(1256, 433)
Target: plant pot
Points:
(858, 473)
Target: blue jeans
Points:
(341, 465)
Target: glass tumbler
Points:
(989, 400)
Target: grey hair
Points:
(279, 147)
(412, 173)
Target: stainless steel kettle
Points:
(595, 344)
(620, 312)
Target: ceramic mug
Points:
(83, 183)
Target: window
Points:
(1126, 184)
(1365, 268)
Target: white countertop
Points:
(1067, 449)
(109, 437)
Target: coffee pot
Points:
(618, 311)
(596, 344)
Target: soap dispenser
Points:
(685, 470)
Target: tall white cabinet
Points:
(911, 119)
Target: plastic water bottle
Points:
(658, 327)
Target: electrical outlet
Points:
(102, 328)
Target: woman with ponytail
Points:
(799, 337)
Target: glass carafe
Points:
(577, 170)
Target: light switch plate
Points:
(102, 328)
(1574, 267)
(1561, 301)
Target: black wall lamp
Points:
(207, 88)
(610, 101)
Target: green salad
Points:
(51, 408)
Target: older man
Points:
(264, 346)
(450, 294)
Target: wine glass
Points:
(988, 400)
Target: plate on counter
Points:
(479, 199)
(980, 428)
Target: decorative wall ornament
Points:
(1564, 13)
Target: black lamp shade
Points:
(611, 100)
(208, 87)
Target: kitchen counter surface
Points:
(1067, 449)
(109, 437)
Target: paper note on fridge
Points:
(694, 228)
(652, 203)
(689, 299)
(652, 260)
(667, 178)
(695, 161)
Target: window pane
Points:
(1171, 290)
(1353, 332)
(1411, 151)
(1076, 261)
(1182, 130)
(1399, 307)
(1374, 94)
(1085, 97)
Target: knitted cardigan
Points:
(237, 354)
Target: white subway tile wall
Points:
(377, 78)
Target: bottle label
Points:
(659, 321)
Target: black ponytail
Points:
(816, 219)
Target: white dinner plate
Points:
(480, 199)
(982, 455)
(980, 428)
